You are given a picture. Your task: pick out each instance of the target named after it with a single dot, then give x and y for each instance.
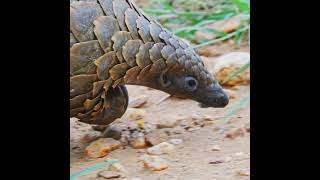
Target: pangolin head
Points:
(186, 77)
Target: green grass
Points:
(186, 17)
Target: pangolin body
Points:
(113, 43)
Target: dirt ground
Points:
(191, 160)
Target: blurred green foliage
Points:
(186, 17)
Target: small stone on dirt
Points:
(247, 127)
(117, 167)
(101, 147)
(166, 123)
(175, 141)
(90, 136)
(234, 133)
(176, 130)
(137, 140)
(138, 102)
(228, 64)
(193, 129)
(216, 148)
(162, 148)
(112, 131)
(156, 137)
(108, 174)
(243, 172)
(155, 163)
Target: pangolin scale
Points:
(113, 43)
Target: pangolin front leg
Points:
(115, 102)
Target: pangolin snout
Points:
(214, 97)
(222, 100)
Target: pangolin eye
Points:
(191, 83)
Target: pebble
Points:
(101, 147)
(193, 129)
(166, 123)
(243, 172)
(156, 137)
(247, 127)
(176, 130)
(215, 148)
(155, 163)
(227, 64)
(234, 133)
(118, 167)
(90, 137)
(162, 148)
(137, 140)
(175, 141)
(112, 131)
(108, 174)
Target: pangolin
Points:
(113, 43)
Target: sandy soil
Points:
(191, 160)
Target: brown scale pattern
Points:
(113, 43)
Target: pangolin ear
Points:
(165, 82)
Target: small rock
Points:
(230, 63)
(138, 102)
(243, 173)
(138, 141)
(216, 148)
(208, 123)
(176, 130)
(208, 118)
(156, 137)
(175, 141)
(247, 127)
(155, 163)
(91, 136)
(234, 133)
(196, 116)
(166, 123)
(118, 167)
(162, 148)
(101, 147)
(108, 174)
(187, 123)
(112, 131)
(193, 129)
